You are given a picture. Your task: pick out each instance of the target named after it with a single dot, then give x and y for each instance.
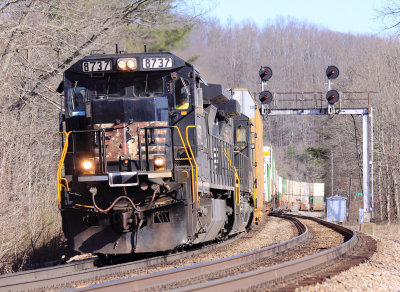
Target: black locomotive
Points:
(154, 157)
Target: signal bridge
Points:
(314, 103)
(334, 103)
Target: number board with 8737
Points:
(96, 66)
(157, 63)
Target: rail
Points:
(44, 278)
(99, 139)
(237, 179)
(59, 170)
(159, 279)
(51, 277)
(188, 157)
(302, 100)
(236, 282)
(242, 164)
(195, 163)
(279, 271)
(221, 153)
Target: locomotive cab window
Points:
(182, 94)
(76, 100)
(241, 136)
(80, 89)
(148, 86)
(113, 89)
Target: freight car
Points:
(303, 196)
(153, 158)
(284, 194)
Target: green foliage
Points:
(168, 38)
(317, 152)
(193, 58)
(304, 157)
(159, 39)
(291, 152)
(325, 135)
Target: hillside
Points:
(299, 54)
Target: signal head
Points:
(265, 73)
(332, 96)
(265, 97)
(332, 72)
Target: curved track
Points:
(206, 278)
(246, 271)
(57, 276)
(81, 271)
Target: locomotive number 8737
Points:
(154, 157)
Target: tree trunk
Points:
(396, 197)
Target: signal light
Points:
(265, 73)
(265, 97)
(332, 72)
(332, 96)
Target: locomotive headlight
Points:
(122, 64)
(131, 63)
(159, 163)
(127, 64)
(88, 166)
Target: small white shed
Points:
(336, 209)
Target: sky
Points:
(348, 16)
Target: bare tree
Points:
(38, 40)
(298, 54)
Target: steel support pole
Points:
(372, 162)
(366, 168)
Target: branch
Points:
(19, 104)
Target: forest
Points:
(40, 39)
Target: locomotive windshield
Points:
(82, 88)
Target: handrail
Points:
(66, 186)
(237, 189)
(59, 185)
(190, 161)
(195, 163)
(184, 146)
(238, 180)
(59, 170)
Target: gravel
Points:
(271, 231)
(380, 273)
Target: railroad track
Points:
(262, 269)
(80, 272)
(272, 268)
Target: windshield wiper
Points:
(108, 86)
(73, 95)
